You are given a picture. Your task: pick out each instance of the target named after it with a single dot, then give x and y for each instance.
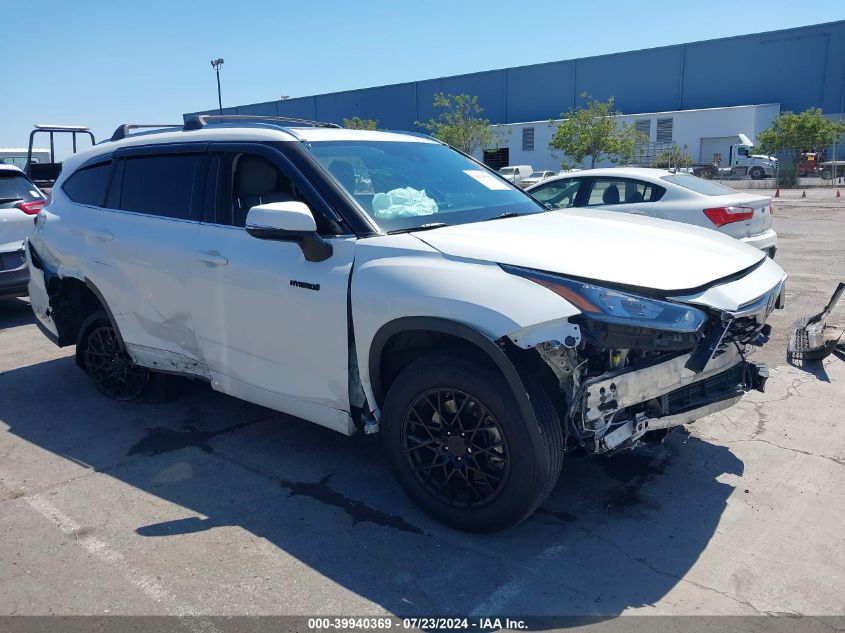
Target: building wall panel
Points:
(540, 92)
(640, 81)
(797, 68)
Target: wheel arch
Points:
(73, 301)
(451, 332)
(85, 325)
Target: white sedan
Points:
(665, 194)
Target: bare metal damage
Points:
(167, 361)
(619, 407)
(605, 395)
(615, 398)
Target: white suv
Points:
(386, 282)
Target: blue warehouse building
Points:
(797, 68)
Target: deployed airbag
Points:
(402, 203)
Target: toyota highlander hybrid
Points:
(385, 282)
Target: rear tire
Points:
(460, 447)
(104, 359)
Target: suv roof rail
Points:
(123, 130)
(198, 121)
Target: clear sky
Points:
(102, 63)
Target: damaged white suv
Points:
(386, 282)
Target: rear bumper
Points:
(14, 273)
(39, 300)
(765, 241)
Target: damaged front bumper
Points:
(618, 408)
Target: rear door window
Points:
(88, 185)
(159, 185)
(610, 191)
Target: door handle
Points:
(101, 235)
(213, 259)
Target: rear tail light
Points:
(720, 216)
(771, 209)
(31, 208)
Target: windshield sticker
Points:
(488, 180)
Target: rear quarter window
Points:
(699, 185)
(88, 185)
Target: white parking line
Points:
(496, 603)
(498, 600)
(103, 552)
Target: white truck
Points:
(741, 163)
(516, 173)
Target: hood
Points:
(764, 157)
(601, 245)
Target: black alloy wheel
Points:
(456, 447)
(461, 445)
(107, 363)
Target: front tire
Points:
(104, 359)
(461, 448)
(757, 173)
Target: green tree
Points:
(357, 123)
(673, 156)
(459, 123)
(595, 131)
(805, 131)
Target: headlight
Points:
(614, 306)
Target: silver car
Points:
(659, 193)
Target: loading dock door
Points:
(712, 146)
(495, 159)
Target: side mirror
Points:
(288, 222)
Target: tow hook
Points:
(759, 376)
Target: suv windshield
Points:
(407, 185)
(699, 185)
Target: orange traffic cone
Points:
(838, 195)
(777, 192)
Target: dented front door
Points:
(272, 326)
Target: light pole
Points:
(215, 64)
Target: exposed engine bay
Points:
(624, 385)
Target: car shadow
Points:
(15, 311)
(617, 532)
